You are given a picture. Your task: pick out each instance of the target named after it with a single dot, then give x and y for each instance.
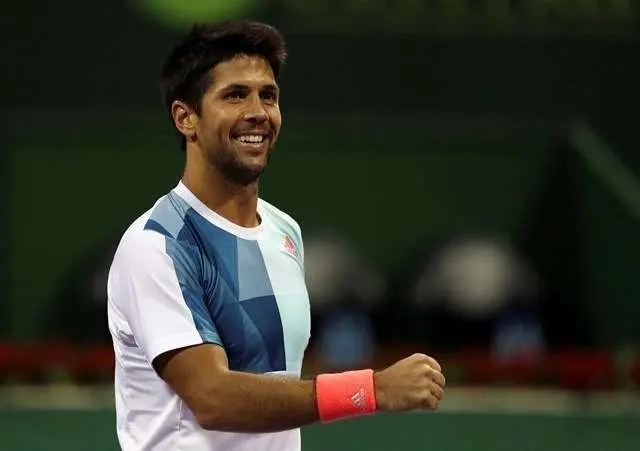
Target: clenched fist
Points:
(415, 382)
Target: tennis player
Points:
(207, 303)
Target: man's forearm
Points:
(241, 402)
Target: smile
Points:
(251, 139)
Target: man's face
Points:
(240, 118)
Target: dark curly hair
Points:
(186, 74)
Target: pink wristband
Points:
(345, 395)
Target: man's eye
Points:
(236, 94)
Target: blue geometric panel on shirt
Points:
(233, 284)
(193, 291)
(252, 272)
(265, 315)
(259, 302)
(244, 344)
(219, 247)
(243, 306)
(168, 218)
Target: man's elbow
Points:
(221, 420)
(213, 409)
(210, 421)
(210, 411)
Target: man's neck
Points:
(235, 203)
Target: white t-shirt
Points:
(184, 275)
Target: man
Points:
(208, 308)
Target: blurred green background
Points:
(405, 124)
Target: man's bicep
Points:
(189, 371)
(158, 282)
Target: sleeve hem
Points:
(178, 341)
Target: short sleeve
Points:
(156, 283)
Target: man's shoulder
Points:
(157, 228)
(278, 216)
(284, 223)
(137, 240)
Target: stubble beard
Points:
(233, 169)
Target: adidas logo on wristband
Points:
(358, 399)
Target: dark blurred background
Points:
(465, 174)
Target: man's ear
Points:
(184, 118)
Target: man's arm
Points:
(226, 400)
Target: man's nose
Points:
(255, 111)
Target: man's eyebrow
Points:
(234, 87)
(244, 87)
(271, 89)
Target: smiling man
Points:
(207, 304)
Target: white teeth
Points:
(250, 138)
